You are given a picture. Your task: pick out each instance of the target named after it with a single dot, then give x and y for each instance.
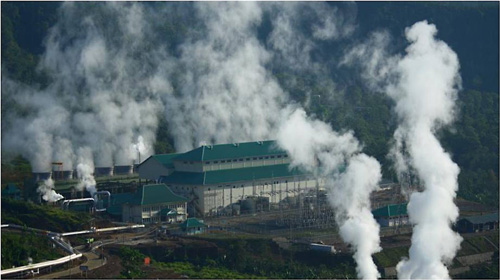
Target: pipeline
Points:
(96, 200)
(65, 203)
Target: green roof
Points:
(391, 210)
(482, 219)
(11, 189)
(192, 222)
(157, 194)
(231, 175)
(231, 151)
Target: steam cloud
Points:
(313, 146)
(47, 191)
(424, 86)
(425, 99)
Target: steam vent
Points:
(123, 169)
(103, 171)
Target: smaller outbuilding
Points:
(11, 191)
(391, 215)
(154, 203)
(478, 223)
(193, 226)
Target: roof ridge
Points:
(202, 152)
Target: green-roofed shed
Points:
(391, 215)
(11, 191)
(478, 223)
(193, 226)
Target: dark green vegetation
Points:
(18, 247)
(238, 258)
(471, 245)
(470, 28)
(42, 216)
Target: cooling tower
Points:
(123, 169)
(103, 171)
(41, 176)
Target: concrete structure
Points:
(150, 204)
(41, 176)
(217, 177)
(478, 223)
(103, 171)
(391, 215)
(123, 169)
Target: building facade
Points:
(216, 178)
(154, 203)
(392, 215)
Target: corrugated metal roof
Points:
(482, 219)
(158, 194)
(391, 210)
(231, 175)
(231, 151)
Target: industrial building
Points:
(478, 223)
(218, 179)
(149, 204)
(391, 215)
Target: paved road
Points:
(93, 262)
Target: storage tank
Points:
(103, 171)
(123, 169)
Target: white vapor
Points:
(425, 98)
(423, 85)
(315, 147)
(87, 181)
(47, 191)
(225, 92)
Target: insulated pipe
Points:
(96, 199)
(66, 203)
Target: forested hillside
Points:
(470, 29)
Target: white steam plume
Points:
(313, 146)
(87, 181)
(47, 191)
(425, 98)
(424, 86)
(102, 92)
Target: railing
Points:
(40, 265)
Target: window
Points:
(208, 189)
(240, 159)
(185, 162)
(254, 158)
(279, 156)
(207, 162)
(222, 161)
(266, 157)
(272, 156)
(216, 161)
(234, 187)
(248, 159)
(235, 160)
(261, 158)
(285, 156)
